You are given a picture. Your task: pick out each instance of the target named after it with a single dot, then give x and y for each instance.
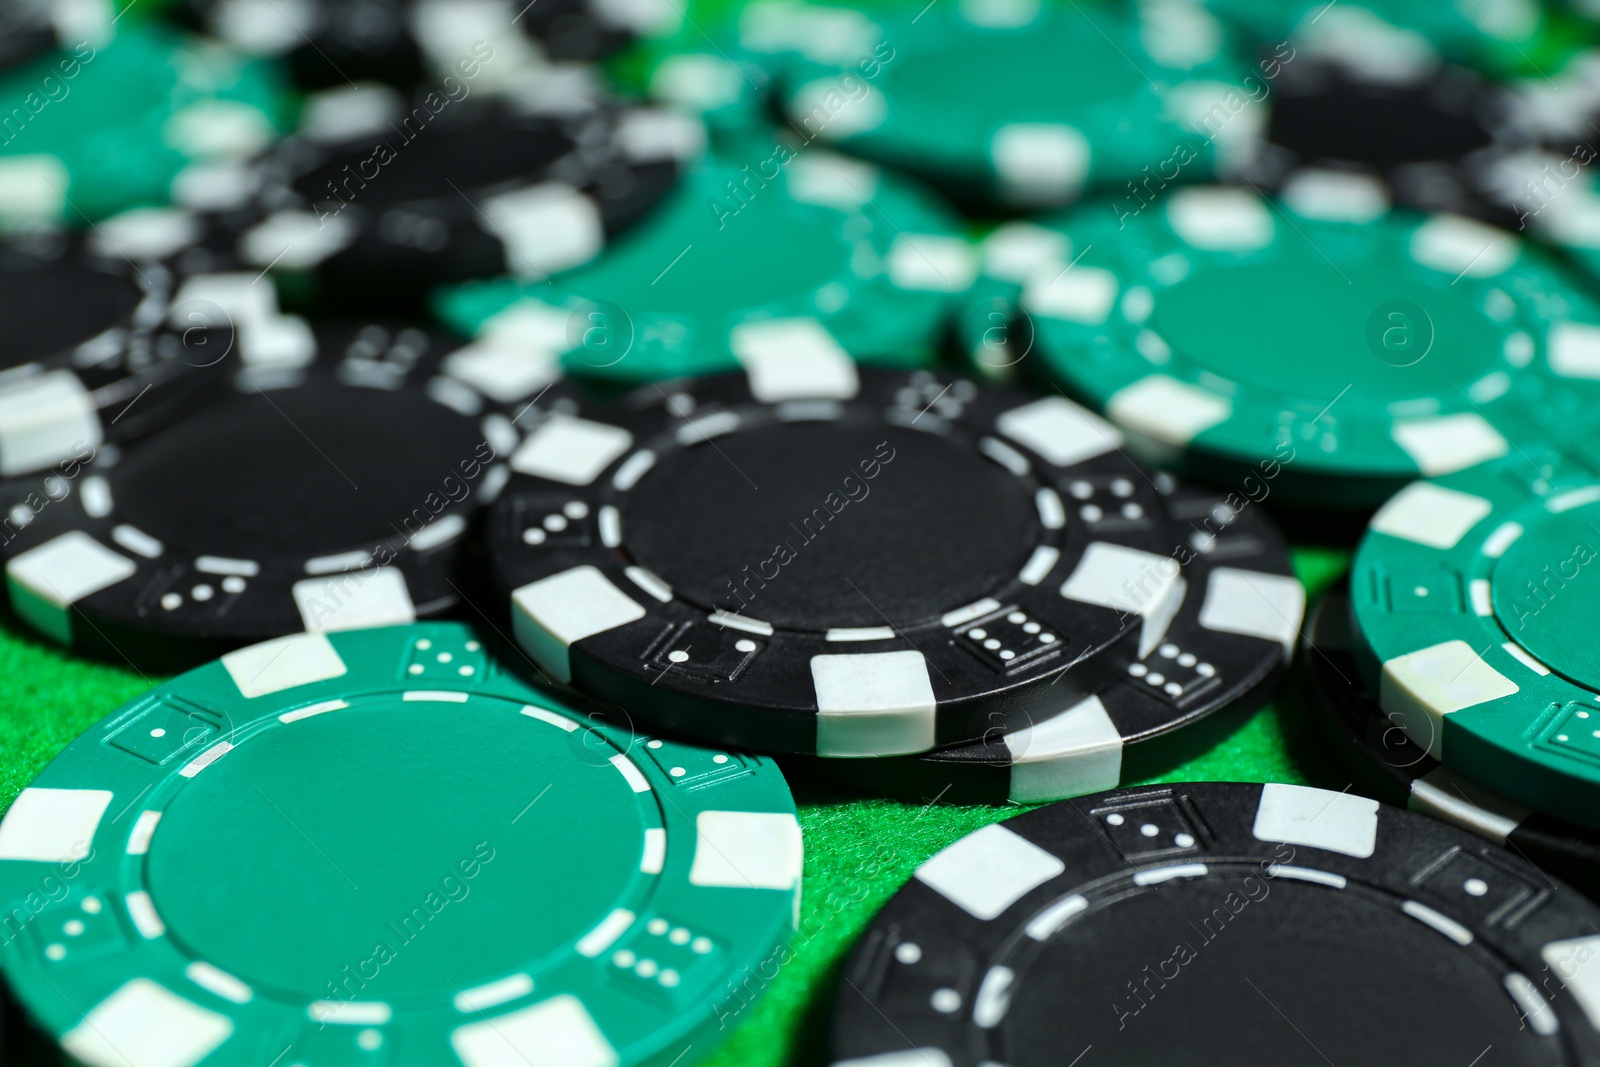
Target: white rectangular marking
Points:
(52, 825)
(491, 994)
(605, 935)
(655, 850)
(740, 622)
(630, 773)
(143, 1024)
(143, 913)
(561, 722)
(440, 696)
(242, 568)
(989, 870)
(218, 981)
(312, 709)
(144, 827)
(206, 759)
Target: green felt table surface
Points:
(859, 850)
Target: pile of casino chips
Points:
(515, 443)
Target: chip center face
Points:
(347, 468)
(785, 514)
(399, 851)
(1546, 591)
(1312, 330)
(1377, 128)
(1032, 88)
(57, 307)
(1294, 972)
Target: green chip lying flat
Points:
(379, 847)
(1474, 607)
(761, 251)
(1024, 103)
(1322, 341)
(91, 130)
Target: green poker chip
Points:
(1491, 31)
(767, 251)
(1473, 602)
(1322, 341)
(1022, 103)
(92, 129)
(378, 846)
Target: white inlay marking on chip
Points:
(144, 1024)
(1059, 430)
(1268, 606)
(546, 227)
(52, 825)
(554, 613)
(989, 870)
(216, 980)
(1457, 246)
(1084, 295)
(605, 935)
(1577, 963)
(1420, 688)
(144, 827)
(793, 359)
(1168, 410)
(283, 663)
(1317, 818)
(1221, 219)
(630, 773)
(931, 263)
(558, 1032)
(570, 450)
(655, 850)
(1040, 163)
(746, 850)
(354, 600)
(1430, 515)
(1075, 752)
(1575, 349)
(1449, 443)
(1447, 796)
(144, 915)
(873, 703)
(492, 994)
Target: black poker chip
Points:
(27, 31)
(812, 557)
(380, 201)
(337, 493)
(1397, 770)
(1428, 134)
(102, 339)
(320, 42)
(1222, 923)
(1219, 659)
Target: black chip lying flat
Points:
(385, 199)
(1426, 133)
(1223, 652)
(320, 496)
(1398, 771)
(98, 343)
(1223, 924)
(814, 557)
(321, 42)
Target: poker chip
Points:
(321, 42)
(103, 343)
(1321, 343)
(383, 844)
(379, 201)
(1394, 31)
(870, 266)
(1355, 100)
(334, 488)
(30, 29)
(818, 558)
(1223, 650)
(1470, 597)
(145, 108)
(1022, 104)
(1398, 771)
(1196, 923)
